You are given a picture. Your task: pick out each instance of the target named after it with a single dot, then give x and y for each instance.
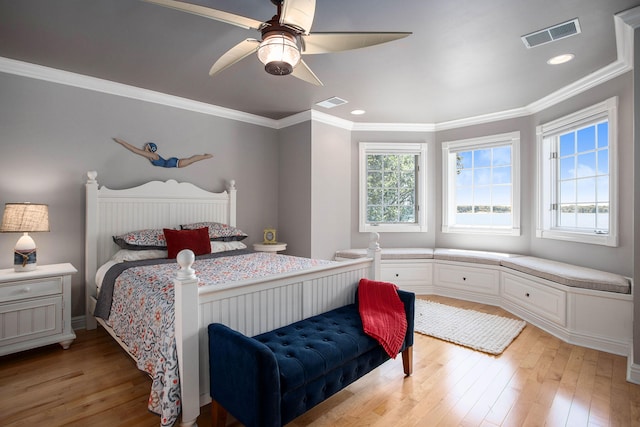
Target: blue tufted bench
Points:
(272, 378)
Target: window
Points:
(392, 187)
(481, 185)
(577, 179)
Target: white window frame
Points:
(419, 149)
(449, 172)
(546, 183)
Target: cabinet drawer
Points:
(472, 279)
(400, 271)
(25, 289)
(543, 300)
(414, 276)
(23, 321)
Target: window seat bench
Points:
(577, 304)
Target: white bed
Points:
(250, 306)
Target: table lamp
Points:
(25, 218)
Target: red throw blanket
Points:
(382, 313)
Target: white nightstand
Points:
(35, 308)
(270, 247)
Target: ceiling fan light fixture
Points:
(279, 53)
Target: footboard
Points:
(251, 307)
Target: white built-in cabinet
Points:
(594, 319)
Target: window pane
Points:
(586, 190)
(501, 156)
(374, 213)
(586, 217)
(603, 135)
(587, 139)
(502, 196)
(374, 197)
(482, 176)
(390, 214)
(465, 159)
(568, 168)
(603, 162)
(482, 158)
(567, 144)
(374, 162)
(374, 179)
(567, 192)
(586, 165)
(465, 177)
(482, 196)
(390, 197)
(502, 175)
(603, 189)
(464, 196)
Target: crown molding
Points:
(625, 23)
(39, 72)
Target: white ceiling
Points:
(464, 59)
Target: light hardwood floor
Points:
(538, 380)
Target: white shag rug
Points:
(480, 331)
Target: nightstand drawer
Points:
(25, 289)
(25, 321)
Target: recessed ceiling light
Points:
(358, 112)
(561, 59)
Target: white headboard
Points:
(156, 204)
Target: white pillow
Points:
(129, 255)
(217, 246)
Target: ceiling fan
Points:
(285, 37)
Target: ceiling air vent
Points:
(331, 102)
(551, 34)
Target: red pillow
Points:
(197, 240)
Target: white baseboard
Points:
(78, 322)
(633, 369)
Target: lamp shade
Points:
(25, 217)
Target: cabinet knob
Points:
(397, 275)
(25, 290)
(464, 278)
(527, 294)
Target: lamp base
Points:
(24, 254)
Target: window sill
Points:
(494, 231)
(589, 238)
(392, 228)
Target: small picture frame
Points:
(270, 236)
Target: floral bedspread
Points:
(142, 314)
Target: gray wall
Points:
(294, 186)
(51, 134)
(330, 190)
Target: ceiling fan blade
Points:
(338, 42)
(298, 14)
(303, 72)
(218, 15)
(235, 54)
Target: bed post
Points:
(231, 188)
(186, 333)
(374, 251)
(90, 247)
